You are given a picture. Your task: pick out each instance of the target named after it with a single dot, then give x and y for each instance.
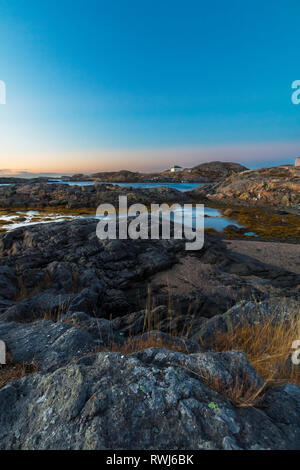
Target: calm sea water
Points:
(179, 186)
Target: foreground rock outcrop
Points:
(155, 399)
(68, 300)
(50, 270)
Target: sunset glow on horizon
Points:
(150, 160)
(102, 87)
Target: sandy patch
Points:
(282, 255)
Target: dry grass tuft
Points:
(268, 347)
(241, 392)
(135, 344)
(151, 335)
(25, 292)
(56, 314)
(12, 371)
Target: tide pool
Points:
(212, 219)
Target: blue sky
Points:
(95, 85)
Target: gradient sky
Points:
(97, 85)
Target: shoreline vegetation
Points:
(254, 223)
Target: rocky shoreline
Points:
(63, 196)
(277, 186)
(112, 344)
(205, 172)
(247, 218)
(69, 300)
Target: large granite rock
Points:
(277, 186)
(155, 399)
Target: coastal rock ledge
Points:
(270, 187)
(153, 399)
(117, 359)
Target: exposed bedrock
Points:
(49, 270)
(154, 399)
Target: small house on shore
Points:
(176, 169)
(297, 162)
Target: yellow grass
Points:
(241, 392)
(12, 371)
(133, 345)
(146, 340)
(268, 347)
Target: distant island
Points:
(205, 172)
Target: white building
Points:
(176, 169)
(297, 162)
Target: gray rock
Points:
(63, 266)
(246, 313)
(8, 280)
(49, 344)
(100, 329)
(150, 400)
(61, 275)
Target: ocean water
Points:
(179, 186)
